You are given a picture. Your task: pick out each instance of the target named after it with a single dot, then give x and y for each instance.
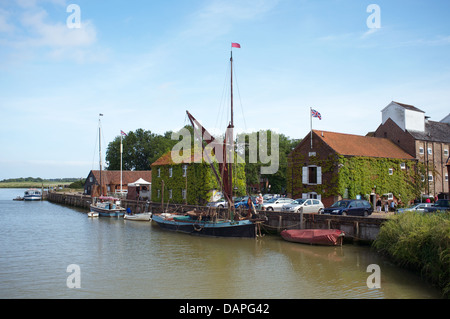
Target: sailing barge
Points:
(208, 223)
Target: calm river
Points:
(128, 259)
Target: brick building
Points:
(111, 181)
(337, 166)
(427, 141)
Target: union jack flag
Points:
(314, 113)
(123, 133)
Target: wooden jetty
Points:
(356, 228)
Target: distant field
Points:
(32, 184)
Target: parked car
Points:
(221, 203)
(358, 207)
(441, 204)
(267, 197)
(416, 208)
(304, 205)
(276, 203)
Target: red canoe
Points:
(329, 237)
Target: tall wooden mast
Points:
(231, 138)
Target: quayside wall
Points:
(355, 228)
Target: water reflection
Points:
(128, 259)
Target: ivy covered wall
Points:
(349, 176)
(199, 182)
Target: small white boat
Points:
(139, 217)
(107, 207)
(92, 214)
(32, 194)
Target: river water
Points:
(52, 251)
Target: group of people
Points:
(386, 205)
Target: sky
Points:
(142, 64)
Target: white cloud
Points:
(34, 29)
(217, 17)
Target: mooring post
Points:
(301, 219)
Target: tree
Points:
(276, 180)
(140, 149)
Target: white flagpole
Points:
(310, 119)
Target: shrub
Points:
(420, 242)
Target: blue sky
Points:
(144, 63)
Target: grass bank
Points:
(420, 242)
(31, 184)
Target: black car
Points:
(440, 205)
(357, 207)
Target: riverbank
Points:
(420, 242)
(32, 184)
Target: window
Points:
(159, 193)
(446, 152)
(446, 177)
(159, 172)
(184, 170)
(430, 151)
(183, 193)
(420, 150)
(402, 165)
(430, 177)
(422, 178)
(170, 172)
(391, 171)
(170, 194)
(312, 175)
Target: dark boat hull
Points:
(243, 228)
(119, 212)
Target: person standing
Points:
(378, 205)
(259, 201)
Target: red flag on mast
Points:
(235, 45)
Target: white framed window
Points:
(402, 166)
(183, 193)
(391, 171)
(430, 151)
(420, 150)
(159, 172)
(170, 171)
(422, 178)
(446, 177)
(170, 194)
(184, 170)
(159, 193)
(445, 152)
(430, 177)
(312, 175)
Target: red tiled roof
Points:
(357, 145)
(113, 177)
(167, 159)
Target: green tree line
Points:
(142, 147)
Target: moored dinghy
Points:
(139, 217)
(327, 237)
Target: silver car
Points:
(276, 203)
(304, 205)
(418, 208)
(221, 203)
